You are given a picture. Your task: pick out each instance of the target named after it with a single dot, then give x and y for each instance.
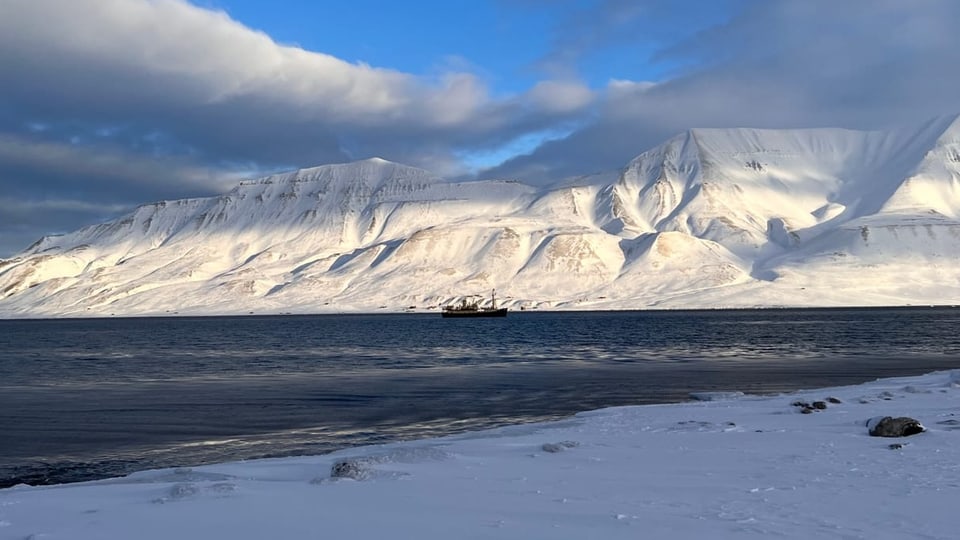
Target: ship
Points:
(472, 308)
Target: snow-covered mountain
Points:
(710, 218)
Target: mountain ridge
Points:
(732, 217)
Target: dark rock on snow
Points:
(807, 408)
(887, 426)
(553, 448)
(350, 468)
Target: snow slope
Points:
(711, 218)
(745, 467)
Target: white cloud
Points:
(222, 91)
(624, 86)
(203, 57)
(560, 96)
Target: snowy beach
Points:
(731, 467)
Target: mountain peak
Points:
(948, 126)
(371, 172)
(711, 217)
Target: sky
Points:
(108, 104)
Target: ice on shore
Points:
(739, 467)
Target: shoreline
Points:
(749, 467)
(436, 311)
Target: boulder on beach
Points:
(888, 426)
(353, 468)
(553, 448)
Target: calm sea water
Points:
(84, 399)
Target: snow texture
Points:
(712, 218)
(747, 467)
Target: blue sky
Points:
(512, 45)
(423, 40)
(506, 41)
(107, 104)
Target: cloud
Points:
(174, 65)
(587, 28)
(134, 99)
(55, 187)
(628, 32)
(21, 219)
(167, 63)
(108, 103)
(560, 97)
(99, 169)
(774, 64)
(201, 57)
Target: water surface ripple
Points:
(89, 398)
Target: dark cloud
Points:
(52, 187)
(21, 218)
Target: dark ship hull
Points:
(482, 312)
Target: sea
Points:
(84, 399)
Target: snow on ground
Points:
(734, 467)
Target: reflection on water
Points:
(90, 398)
